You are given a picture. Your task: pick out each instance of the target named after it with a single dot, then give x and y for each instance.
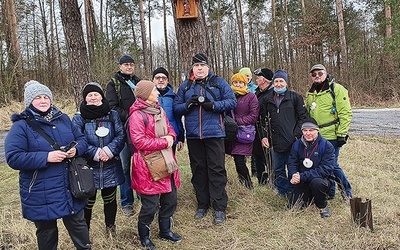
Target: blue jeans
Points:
(280, 160)
(340, 177)
(125, 188)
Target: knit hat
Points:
(143, 89)
(160, 70)
(267, 73)
(34, 88)
(92, 87)
(126, 59)
(317, 67)
(245, 71)
(310, 122)
(239, 77)
(199, 58)
(280, 73)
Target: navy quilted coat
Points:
(106, 174)
(44, 186)
(201, 124)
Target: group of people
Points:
(305, 164)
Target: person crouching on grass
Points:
(151, 131)
(310, 166)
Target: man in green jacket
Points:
(328, 103)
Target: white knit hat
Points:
(34, 88)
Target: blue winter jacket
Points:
(201, 124)
(44, 186)
(106, 174)
(323, 160)
(166, 101)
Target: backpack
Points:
(128, 136)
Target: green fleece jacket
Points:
(319, 106)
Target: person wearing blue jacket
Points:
(310, 167)
(43, 171)
(203, 99)
(105, 135)
(166, 101)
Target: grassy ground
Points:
(256, 220)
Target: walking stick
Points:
(268, 175)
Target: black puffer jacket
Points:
(120, 94)
(286, 119)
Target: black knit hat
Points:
(126, 59)
(267, 73)
(199, 58)
(92, 87)
(160, 70)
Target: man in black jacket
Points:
(120, 95)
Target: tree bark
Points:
(191, 37)
(239, 17)
(388, 17)
(15, 67)
(342, 37)
(166, 36)
(79, 72)
(144, 39)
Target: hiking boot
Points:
(127, 210)
(200, 213)
(165, 231)
(144, 235)
(219, 217)
(324, 212)
(111, 231)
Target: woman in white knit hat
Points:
(43, 171)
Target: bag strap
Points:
(35, 127)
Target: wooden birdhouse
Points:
(186, 9)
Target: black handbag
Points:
(81, 180)
(231, 128)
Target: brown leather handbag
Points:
(156, 164)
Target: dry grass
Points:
(256, 220)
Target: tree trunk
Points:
(191, 37)
(150, 39)
(239, 18)
(166, 36)
(144, 39)
(276, 47)
(15, 67)
(388, 17)
(79, 72)
(342, 37)
(90, 29)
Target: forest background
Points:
(66, 43)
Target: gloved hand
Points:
(191, 102)
(208, 105)
(340, 141)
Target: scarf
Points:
(160, 129)
(92, 112)
(47, 115)
(240, 91)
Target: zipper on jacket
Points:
(33, 180)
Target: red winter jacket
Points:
(144, 140)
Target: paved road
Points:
(378, 122)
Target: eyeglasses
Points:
(319, 74)
(128, 65)
(160, 78)
(257, 71)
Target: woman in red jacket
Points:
(150, 131)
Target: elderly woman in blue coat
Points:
(105, 134)
(43, 176)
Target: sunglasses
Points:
(317, 74)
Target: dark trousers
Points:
(110, 206)
(207, 162)
(241, 168)
(47, 232)
(340, 177)
(165, 204)
(304, 193)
